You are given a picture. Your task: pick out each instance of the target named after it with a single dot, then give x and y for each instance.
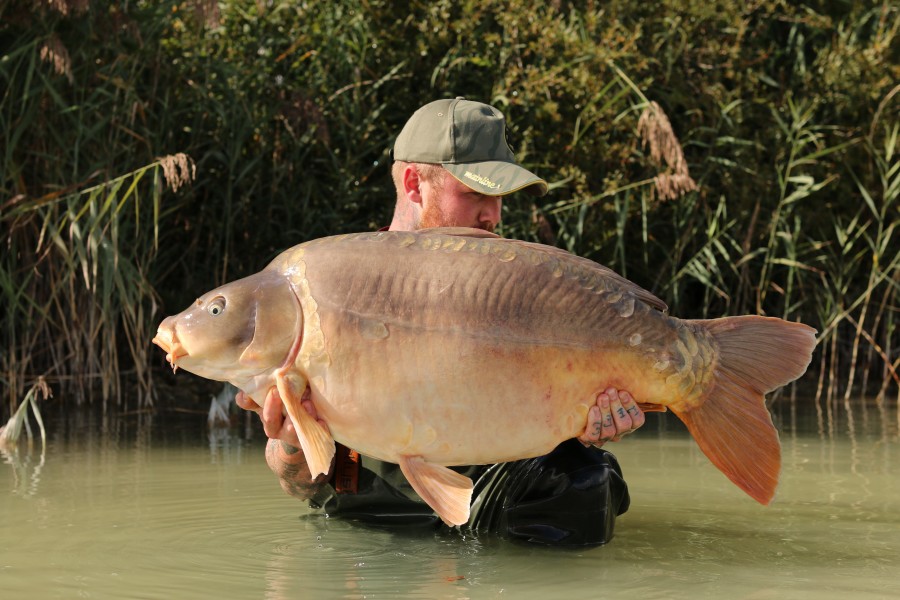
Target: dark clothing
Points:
(568, 497)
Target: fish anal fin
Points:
(316, 443)
(443, 489)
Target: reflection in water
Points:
(414, 563)
(137, 505)
(25, 469)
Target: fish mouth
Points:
(168, 341)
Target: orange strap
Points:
(346, 470)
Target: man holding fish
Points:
(452, 168)
(451, 346)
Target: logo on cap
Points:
(482, 180)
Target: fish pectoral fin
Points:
(443, 489)
(315, 441)
(651, 407)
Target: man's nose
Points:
(490, 210)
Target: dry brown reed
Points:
(54, 52)
(178, 169)
(655, 130)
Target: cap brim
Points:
(497, 178)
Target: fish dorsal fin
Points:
(626, 285)
(443, 489)
(460, 231)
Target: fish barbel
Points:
(455, 347)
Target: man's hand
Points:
(615, 414)
(283, 454)
(276, 425)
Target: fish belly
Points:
(458, 402)
(454, 402)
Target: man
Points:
(452, 167)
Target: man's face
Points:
(452, 204)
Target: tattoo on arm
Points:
(289, 464)
(288, 449)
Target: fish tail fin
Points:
(732, 425)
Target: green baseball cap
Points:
(468, 139)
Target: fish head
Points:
(236, 331)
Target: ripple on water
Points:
(340, 557)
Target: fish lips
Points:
(168, 341)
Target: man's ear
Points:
(412, 184)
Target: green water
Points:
(127, 508)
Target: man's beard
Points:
(433, 216)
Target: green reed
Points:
(18, 422)
(78, 283)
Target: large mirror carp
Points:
(456, 347)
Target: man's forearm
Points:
(289, 464)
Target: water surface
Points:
(127, 507)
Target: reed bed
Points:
(735, 158)
(76, 280)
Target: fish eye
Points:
(216, 307)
